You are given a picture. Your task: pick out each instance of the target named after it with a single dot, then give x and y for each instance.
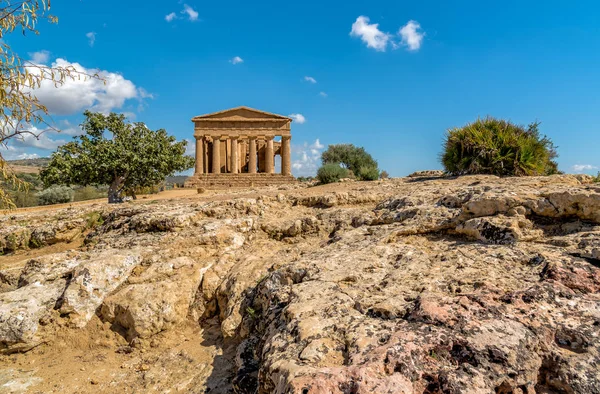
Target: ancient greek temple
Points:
(237, 147)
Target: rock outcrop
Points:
(419, 285)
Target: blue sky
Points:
(390, 76)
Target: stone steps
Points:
(212, 181)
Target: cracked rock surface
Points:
(423, 284)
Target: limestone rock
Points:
(21, 311)
(94, 280)
(157, 300)
(49, 267)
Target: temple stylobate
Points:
(237, 147)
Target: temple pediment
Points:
(241, 114)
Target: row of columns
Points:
(202, 153)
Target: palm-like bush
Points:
(498, 147)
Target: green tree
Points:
(19, 107)
(330, 173)
(117, 153)
(354, 158)
(498, 147)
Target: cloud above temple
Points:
(298, 118)
(236, 60)
(410, 35)
(369, 33)
(310, 79)
(187, 12)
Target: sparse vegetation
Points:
(355, 160)
(94, 219)
(330, 173)
(368, 173)
(597, 178)
(498, 147)
(89, 193)
(56, 194)
(384, 175)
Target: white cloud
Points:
(143, 93)
(75, 95)
(42, 141)
(188, 11)
(191, 13)
(40, 57)
(236, 60)
(322, 94)
(11, 153)
(91, 38)
(25, 156)
(298, 118)
(170, 17)
(37, 139)
(583, 167)
(190, 148)
(411, 36)
(306, 158)
(370, 33)
(310, 79)
(68, 128)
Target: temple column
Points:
(223, 156)
(269, 157)
(205, 155)
(234, 155)
(286, 156)
(216, 156)
(199, 156)
(252, 158)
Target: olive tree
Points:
(19, 107)
(115, 152)
(353, 158)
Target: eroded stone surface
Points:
(418, 285)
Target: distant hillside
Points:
(39, 162)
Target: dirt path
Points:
(86, 362)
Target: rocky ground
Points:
(416, 285)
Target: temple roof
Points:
(241, 113)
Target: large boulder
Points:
(155, 301)
(21, 312)
(93, 280)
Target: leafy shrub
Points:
(89, 193)
(55, 195)
(23, 198)
(353, 158)
(498, 147)
(330, 173)
(384, 175)
(368, 173)
(597, 178)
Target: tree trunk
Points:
(114, 191)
